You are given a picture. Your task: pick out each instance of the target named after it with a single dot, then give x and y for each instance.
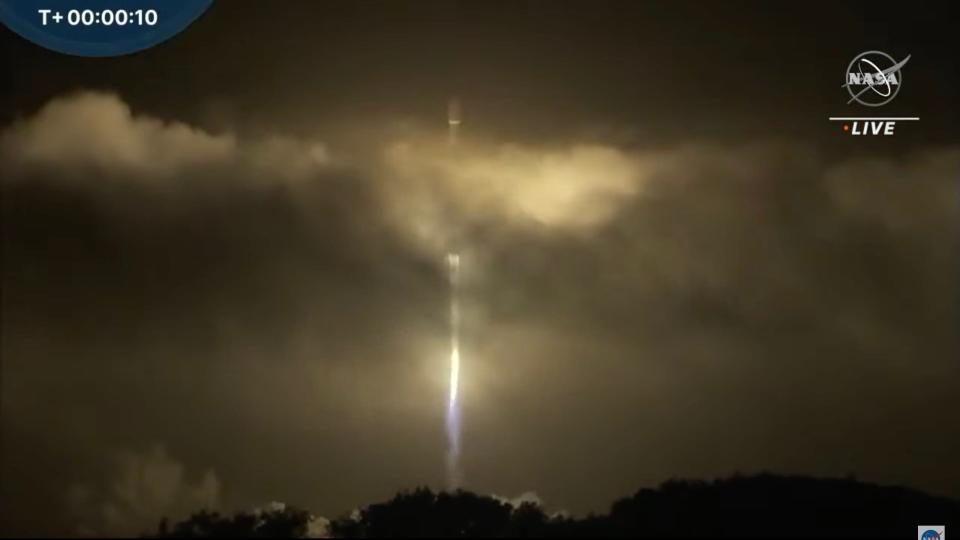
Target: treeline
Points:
(763, 506)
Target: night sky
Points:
(224, 278)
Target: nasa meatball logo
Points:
(931, 532)
(874, 78)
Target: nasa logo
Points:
(874, 78)
(931, 532)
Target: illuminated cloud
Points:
(94, 129)
(428, 188)
(97, 132)
(527, 497)
(433, 188)
(145, 487)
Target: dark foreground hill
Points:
(763, 506)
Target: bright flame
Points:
(454, 375)
(453, 263)
(453, 412)
(453, 423)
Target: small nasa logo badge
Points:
(931, 532)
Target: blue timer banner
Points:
(100, 27)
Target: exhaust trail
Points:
(453, 408)
(454, 476)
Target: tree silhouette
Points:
(761, 506)
(279, 523)
(422, 513)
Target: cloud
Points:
(888, 192)
(432, 184)
(145, 487)
(425, 185)
(98, 132)
(527, 497)
(317, 526)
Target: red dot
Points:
(846, 127)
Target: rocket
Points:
(453, 119)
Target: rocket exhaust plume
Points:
(453, 268)
(453, 409)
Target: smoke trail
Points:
(453, 409)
